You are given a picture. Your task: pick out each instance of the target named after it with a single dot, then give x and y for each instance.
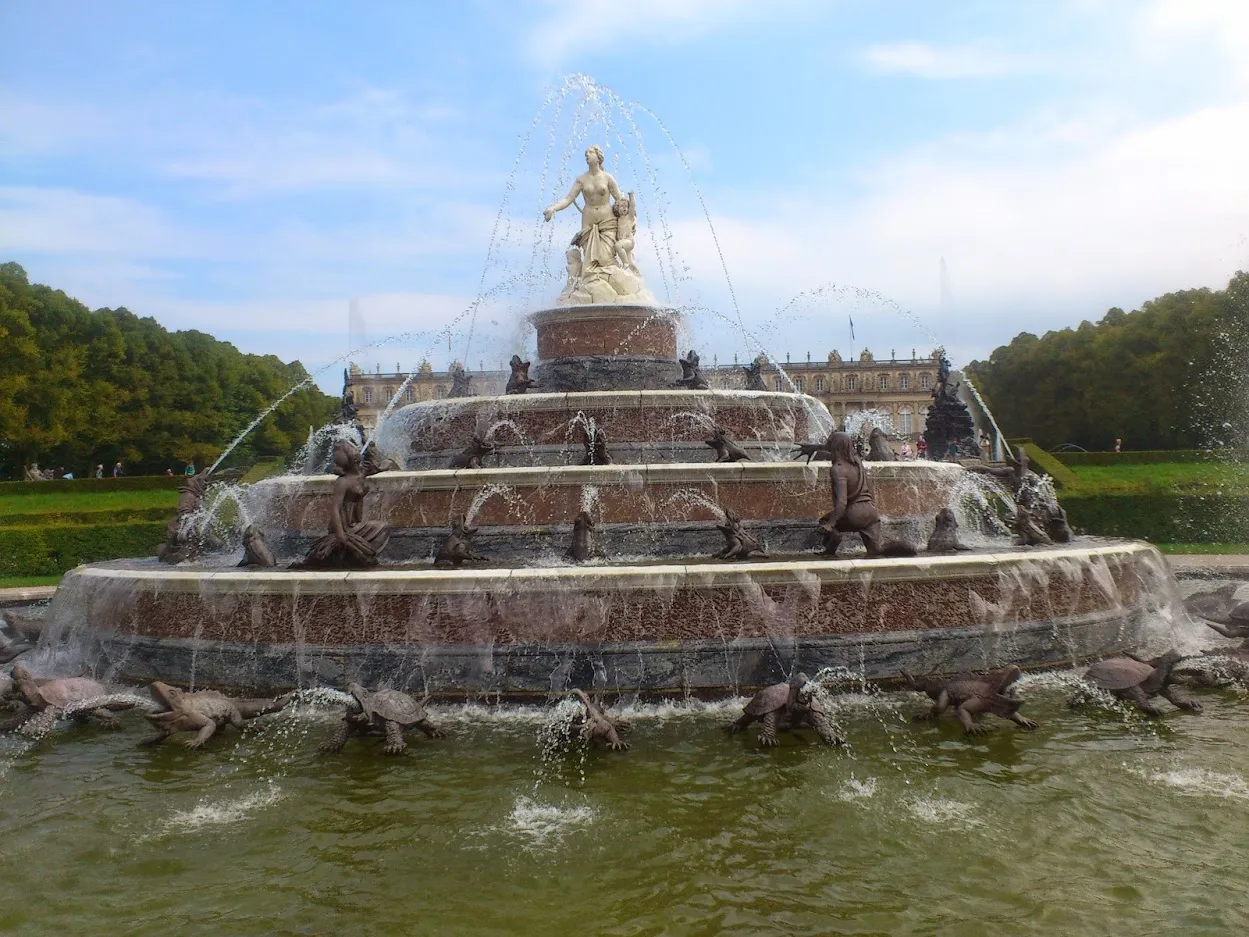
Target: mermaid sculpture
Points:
(352, 542)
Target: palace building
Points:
(899, 388)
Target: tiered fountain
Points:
(615, 428)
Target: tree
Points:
(79, 388)
(1170, 375)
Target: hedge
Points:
(1162, 518)
(125, 483)
(1038, 458)
(1148, 457)
(116, 516)
(49, 549)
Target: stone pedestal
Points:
(606, 347)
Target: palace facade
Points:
(899, 388)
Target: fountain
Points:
(610, 436)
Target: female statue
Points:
(607, 273)
(597, 238)
(352, 541)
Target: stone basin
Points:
(660, 628)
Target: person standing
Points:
(99, 470)
(1118, 444)
(921, 448)
(117, 469)
(190, 469)
(905, 451)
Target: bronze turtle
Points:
(971, 694)
(781, 707)
(1138, 681)
(386, 712)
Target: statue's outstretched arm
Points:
(564, 202)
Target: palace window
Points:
(440, 392)
(852, 382)
(389, 392)
(368, 395)
(780, 385)
(904, 421)
(798, 384)
(882, 381)
(819, 384)
(407, 394)
(925, 381)
(904, 382)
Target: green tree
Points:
(1170, 375)
(79, 388)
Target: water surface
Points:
(1100, 822)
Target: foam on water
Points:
(539, 825)
(854, 789)
(940, 810)
(212, 813)
(1201, 782)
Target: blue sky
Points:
(248, 169)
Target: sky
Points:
(950, 173)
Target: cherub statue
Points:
(625, 210)
(574, 290)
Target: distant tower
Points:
(357, 335)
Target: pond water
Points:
(1102, 821)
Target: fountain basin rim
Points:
(606, 577)
(638, 474)
(590, 311)
(614, 399)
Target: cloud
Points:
(34, 218)
(562, 32)
(925, 60)
(1042, 235)
(1221, 24)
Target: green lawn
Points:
(1174, 477)
(9, 582)
(57, 502)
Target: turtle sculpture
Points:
(1138, 681)
(726, 450)
(476, 450)
(944, 537)
(971, 694)
(519, 381)
(256, 550)
(878, 448)
(738, 544)
(596, 451)
(582, 538)
(457, 548)
(595, 726)
(812, 450)
(203, 712)
(691, 377)
(781, 707)
(386, 712)
(50, 699)
(1221, 611)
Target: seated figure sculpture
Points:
(854, 505)
(352, 542)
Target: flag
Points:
(851, 318)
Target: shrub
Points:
(61, 485)
(1162, 518)
(1145, 457)
(49, 549)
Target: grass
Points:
(11, 582)
(1204, 549)
(1162, 477)
(57, 502)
